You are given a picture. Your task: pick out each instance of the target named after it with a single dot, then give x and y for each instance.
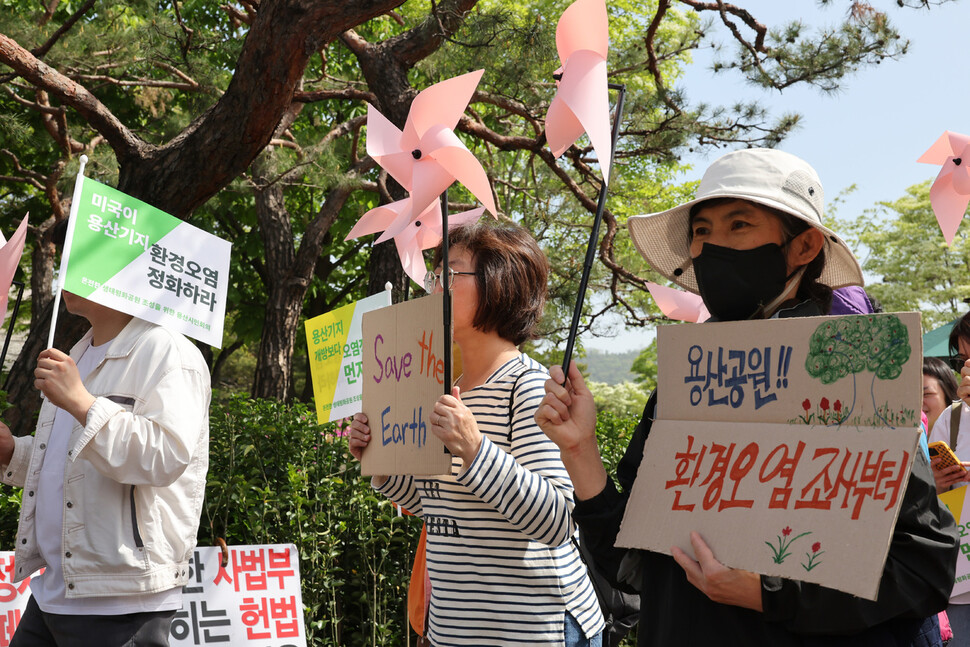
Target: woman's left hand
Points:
(454, 424)
(715, 580)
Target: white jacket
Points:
(135, 474)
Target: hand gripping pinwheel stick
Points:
(594, 232)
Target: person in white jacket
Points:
(113, 483)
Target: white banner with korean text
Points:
(254, 600)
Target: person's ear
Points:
(804, 247)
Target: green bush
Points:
(276, 476)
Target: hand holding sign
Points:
(453, 423)
(732, 586)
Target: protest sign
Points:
(956, 501)
(254, 600)
(13, 598)
(855, 371)
(335, 345)
(815, 505)
(786, 443)
(403, 378)
(127, 255)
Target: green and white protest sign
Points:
(335, 345)
(127, 255)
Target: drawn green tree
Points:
(849, 345)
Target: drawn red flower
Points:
(837, 406)
(806, 405)
(824, 404)
(816, 546)
(786, 531)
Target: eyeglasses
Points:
(431, 278)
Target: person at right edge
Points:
(952, 426)
(752, 244)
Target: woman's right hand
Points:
(359, 436)
(358, 439)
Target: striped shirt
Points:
(502, 564)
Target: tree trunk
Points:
(284, 293)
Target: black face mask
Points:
(735, 283)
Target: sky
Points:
(871, 132)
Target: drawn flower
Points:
(813, 556)
(806, 405)
(837, 406)
(780, 552)
(824, 404)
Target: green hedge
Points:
(275, 477)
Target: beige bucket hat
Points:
(761, 175)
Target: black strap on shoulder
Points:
(515, 385)
(955, 409)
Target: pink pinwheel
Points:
(427, 156)
(581, 104)
(423, 232)
(679, 305)
(950, 193)
(10, 255)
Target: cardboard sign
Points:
(127, 255)
(255, 600)
(335, 345)
(810, 504)
(787, 443)
(860, 371)
(403, 378)
(956, 501)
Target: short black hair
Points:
(936, 368)
(960, 329)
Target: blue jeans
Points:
(575, 636)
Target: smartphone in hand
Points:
(940, 448)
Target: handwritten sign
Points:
(857, 371)
(254, 600)
(335, 346)
(956, 501)
(816, 505)
(787, 443)
(403, 377)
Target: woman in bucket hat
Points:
(752, 244)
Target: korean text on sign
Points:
(253, 600)
(711, 475)
(725, 376)
(183, 279)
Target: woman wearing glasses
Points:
(502, 565)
